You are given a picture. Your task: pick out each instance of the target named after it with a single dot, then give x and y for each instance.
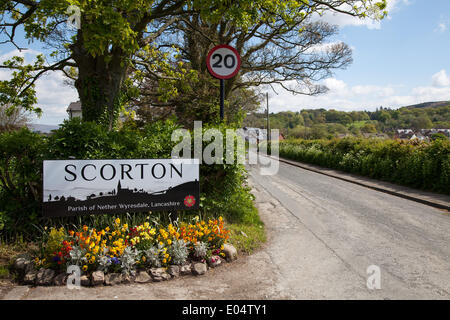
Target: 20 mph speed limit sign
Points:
(223, 62)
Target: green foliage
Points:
(22, 153)
(111, 34)
(19, 91)
(416, 164)
(319, 123)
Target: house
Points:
(404, 134)
(424, 134)
(74, 110)
(254, 135)
(419, 136)
(429, 132)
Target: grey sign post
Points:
(223, 62)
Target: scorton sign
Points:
(77, 187)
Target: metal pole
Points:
(267, 114)
(222, 98)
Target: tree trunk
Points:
(99, 84)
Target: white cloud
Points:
(442, 27)
(52, 94)
(441, 79)
(343, 20)
(342, 96)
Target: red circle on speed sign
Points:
(223, 62)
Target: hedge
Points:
(417, 164)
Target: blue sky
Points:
(407, 47)
(402, 60)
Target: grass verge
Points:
(247, 238)
(247, 233)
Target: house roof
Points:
(74, 106)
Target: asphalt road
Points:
(360, 227)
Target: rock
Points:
(98, 277)
(60, 279)
(174, 271)
(199, 268)
(113, 279)
(44, 277)
(21, 264)
(127, 278)
(29, 266)
(214, 261)
(186, 269)
(159, 274)
(142, 277)
(84, 281)
(230, 252)
(30, 277)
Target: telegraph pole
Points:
(268, 119)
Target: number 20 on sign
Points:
(223, 62)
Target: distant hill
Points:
(429, 105)
(42, 128)
(321, 123)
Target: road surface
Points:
(359, 227)
(323, 234)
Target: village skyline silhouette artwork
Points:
(123, 199)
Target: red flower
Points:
(189, 201)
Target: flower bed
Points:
(120, 249)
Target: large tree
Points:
(291, 48)
(98, 55)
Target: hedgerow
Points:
(423, 165)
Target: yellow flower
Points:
(85, 267)
(169, 242)
(164, 261)
(117, 221)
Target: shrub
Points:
(23, 152)
(412, 163)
